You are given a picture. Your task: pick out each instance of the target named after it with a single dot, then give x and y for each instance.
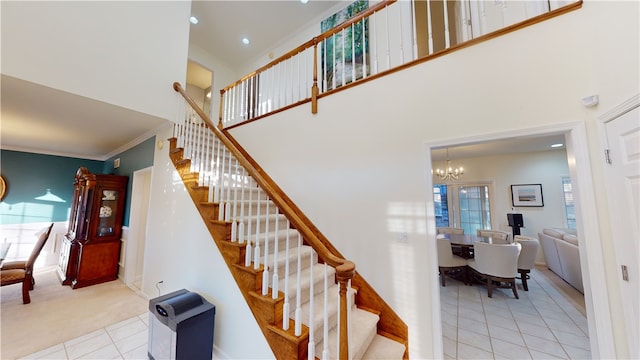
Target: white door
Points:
(134, 252)
(623, 182)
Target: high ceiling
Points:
(36, 118)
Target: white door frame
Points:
(137, 224)
(591, 260)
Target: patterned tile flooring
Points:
(543, 324)
(124, 340)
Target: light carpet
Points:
(58, 313)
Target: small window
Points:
(568, 203)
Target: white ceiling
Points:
(39, 119)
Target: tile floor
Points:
(124, 340)
(542, 324)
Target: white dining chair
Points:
(457, 250)
(449, 230)
(497, 236)
(527, 258)
(447, 262)
(496, 264)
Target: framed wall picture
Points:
(3, 187)
(345, 55)
(527, 195)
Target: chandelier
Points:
(449, 173)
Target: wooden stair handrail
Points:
(295, 216)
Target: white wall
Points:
(357, 167)
(180, 252)
(93, 48)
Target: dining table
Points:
(465, 242)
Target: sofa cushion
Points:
(572, 239)
(556, 233)
(570, 261)
(550, 252)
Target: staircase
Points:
(280, 261)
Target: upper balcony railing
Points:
(381, 39)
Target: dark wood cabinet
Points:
(91, 248)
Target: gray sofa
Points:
(562, 255)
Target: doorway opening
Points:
(576, 159)
(199, 86)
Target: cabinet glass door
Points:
(107, 212)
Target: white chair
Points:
(449, 230)
(457, 250)
(448, 262)
(497, 236)
(496, 264)
(527, 258)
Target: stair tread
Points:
(364, 329)
(318, 276)
(383, 348)
(281, 235)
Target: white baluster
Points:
(401, 33)
(220, 186)
(375, 51)
(298, 314)
(227, 216)
(447, 35)
(335, 71)
(338, 327)
(364, 47)
(430, 27)
(323, 82)
(344, 63)
(274, 282)
(353, 53)
(285, 306)
(216, 188)
(265, 272)
(312, 344)
(325, 333)
(247, 259)
(241, 234)
(386, 13)
(205, 160)
(256, 249)
(349, 331)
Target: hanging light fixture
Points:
(450, 172)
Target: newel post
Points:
(344, 273)
(314, 88)
(221, 111)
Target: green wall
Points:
(132, 160)
(29, 175)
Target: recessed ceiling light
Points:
(304, 1)
(556, 145)
(193, 20)
(245, 41)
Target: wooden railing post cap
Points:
(346, 270)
